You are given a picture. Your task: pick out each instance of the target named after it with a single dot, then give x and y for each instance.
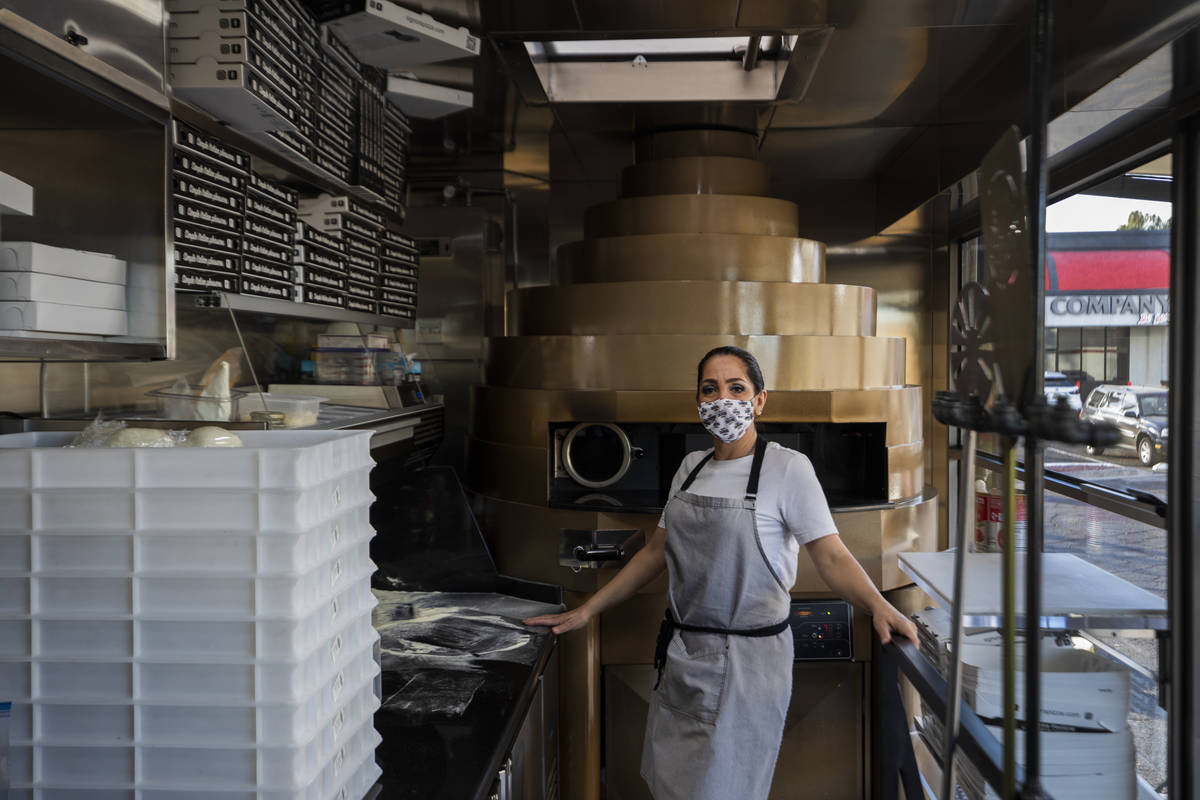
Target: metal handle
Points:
(599, 552)
(504, 779)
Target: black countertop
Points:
(458, 678)
(459, 668)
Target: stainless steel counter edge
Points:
(390, 425)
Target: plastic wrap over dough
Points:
(212, 436)
(140, 437)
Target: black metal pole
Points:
(1183, 502)
(1039, 74)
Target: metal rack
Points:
(290, 169)
(285, 308)
(1075, 594)
(62, 97)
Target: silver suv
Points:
(1139, 412)
(1059, 385)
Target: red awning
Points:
(1107, 270)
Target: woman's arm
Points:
(646, 565)
(843, 574)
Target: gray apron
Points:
(716, 716)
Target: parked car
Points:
(1139, 412)
(1059, 385)
(1082, 379)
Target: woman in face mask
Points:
(729, 537)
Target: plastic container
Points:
(329, 765)
(193, 405)
(59, 318)
(289, 460)
(299, 411)
(183, 622)
(355, 366)
(180, 509)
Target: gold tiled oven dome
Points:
(691, 256)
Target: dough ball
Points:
(212, 436)
(140, 437)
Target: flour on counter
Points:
(442, 626)
(431, 692)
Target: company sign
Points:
(1108, 309)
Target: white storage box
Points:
(1079, 689)
(57, 289)
(1076, 765)
(37, 257)
(58, 318)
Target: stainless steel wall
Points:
(276, 346)
(126, 34)
(461, 302)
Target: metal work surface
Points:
(1076, 594)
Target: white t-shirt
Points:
(790, 510)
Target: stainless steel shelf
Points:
(286, 308)
(291, 166)
(1075, 594)
(14, 348)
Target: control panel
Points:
(821, 630)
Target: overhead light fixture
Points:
(675, 69)
(685, 46)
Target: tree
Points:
(1141, 221)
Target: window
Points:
(1107, 319)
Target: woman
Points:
(729, 538)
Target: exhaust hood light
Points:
(623, 49)
(677, 69)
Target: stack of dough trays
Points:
(187, 622)
(46, 289)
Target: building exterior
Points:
(1108, 306)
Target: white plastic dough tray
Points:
(81, 264)
(59, 318)
(24, 286)
(189, 620)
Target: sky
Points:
(1089, 212)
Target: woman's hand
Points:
(888, 620)
(561, 623)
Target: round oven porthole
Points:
(596, 454)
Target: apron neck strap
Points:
(760, 450)
(696, 471)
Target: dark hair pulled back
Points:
(753, 371)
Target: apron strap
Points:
(760, 450)
(668, 627)
(695, 472)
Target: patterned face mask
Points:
(727, 419)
